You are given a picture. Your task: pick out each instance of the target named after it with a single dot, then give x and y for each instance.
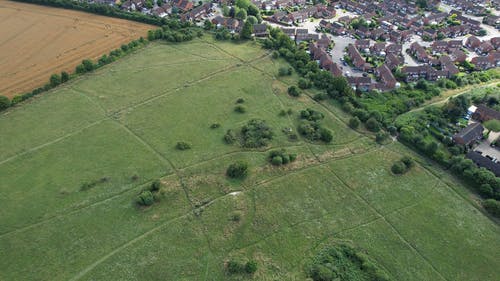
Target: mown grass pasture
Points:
(73, 160)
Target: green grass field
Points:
(119, 127)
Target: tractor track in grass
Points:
(398, 233)
(64, 213)
(73, 211)
(115, 113)
(61, 138)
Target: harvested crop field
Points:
(37, 41)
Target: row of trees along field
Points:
(100, 9)
(87, 65)
(172, 30)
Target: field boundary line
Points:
(78, 209)
(125, 245)
(457, 194)
(168, 92)
(140, 237)
(403, 239)
(61, 138)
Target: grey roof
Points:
(484, 162)
(470, 133)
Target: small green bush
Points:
(238, 170)
(251, 267)
(304, 83)
(293, 91)
(215, 126)
(230, 137)
(183, 145)
(146, 198)
(280, 157)
(240, 109)
(235, 267)
(320, 97)
(408, 161)
(277, 161)
(240, 100)
(398, 168)
(311, 115)
(354, 122)
(4, 103)
(381, 137)
(373, 125)
(283, 71)
(155, 186)
(492, 206)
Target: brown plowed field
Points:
(38, 41)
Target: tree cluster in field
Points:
(237, 267)
(89, 185)
(237, 170)
(342, 261)
(100, 9)
(280, 157)
(310, 126)
(150, 195)
(256, 133)
(402, 166)
(86, 66)
(175, 31)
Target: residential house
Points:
(360, 83)
(362, 45)
(485, 48)
(495, 42)
(419, 52)
(233, 25)
(469, 135)
(324, 42)
(472, 42)
(335, 70)
(378, 49)
(454, 44)
(414, 73)
(439, 47)
(392, 61)
(448, 66)
(183, 5)
(484, 113)
(386, 76)
(458, 56)
(484, 162)
(356, 58)
(260, 30)
(481, 63)
(394, 49)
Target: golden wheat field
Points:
(37, 41)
